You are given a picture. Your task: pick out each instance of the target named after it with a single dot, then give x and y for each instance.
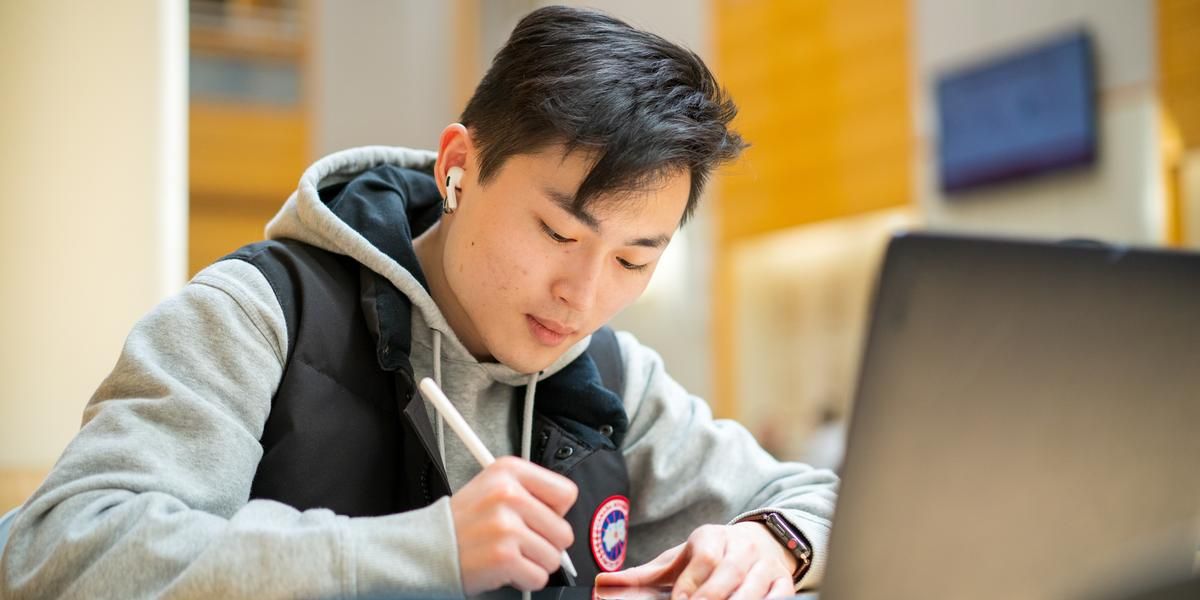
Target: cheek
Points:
(497, 265)
(513, 260)
(622, 292)
(466, 264)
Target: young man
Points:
(260, 435)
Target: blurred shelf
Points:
(229, 43)
(248, 119)
(248, 28)
(246, 153)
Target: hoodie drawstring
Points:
(437, 378)
(527, 418)
(527, 413)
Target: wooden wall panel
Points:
(244, 162)
(246, 151)
(214, 232)
(1178, 29)
(824, 93)
(1179, 65)
(825, 99)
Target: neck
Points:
(430, 249)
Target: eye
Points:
(554, 234)
(630, 266)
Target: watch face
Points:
(792, 540)
(773, 523)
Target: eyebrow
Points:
(567, 203)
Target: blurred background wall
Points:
(387, 72)
(143, 140)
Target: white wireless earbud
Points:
(453, 177)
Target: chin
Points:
(528, 359)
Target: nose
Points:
(577, 285)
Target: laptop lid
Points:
(1027, 423)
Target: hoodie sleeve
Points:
(687, 469)
(151, 498)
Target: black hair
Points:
(637, 104)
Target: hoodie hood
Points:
(394, 200)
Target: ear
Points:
(454, 150)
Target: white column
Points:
(93, 232)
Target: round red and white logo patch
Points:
(609, 533)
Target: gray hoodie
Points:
(151, 498)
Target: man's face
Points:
(533, 278)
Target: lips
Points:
(554, 326)
(547, 332)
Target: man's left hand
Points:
(741, 561)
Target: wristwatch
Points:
(790, 537)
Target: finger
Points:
(706, 547)
(754, 585)
(543, 521)
(730, 573)
(537, 550)
(781, 587)
(552, 489)
(526, 575)
(660, 571)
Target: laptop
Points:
(1026, 425)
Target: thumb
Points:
(660, 571)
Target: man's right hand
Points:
(509, 524)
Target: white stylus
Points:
(434, 394)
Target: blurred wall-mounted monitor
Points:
(1023, 114)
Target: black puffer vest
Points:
(346, 430)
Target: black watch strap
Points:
(790, 537)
